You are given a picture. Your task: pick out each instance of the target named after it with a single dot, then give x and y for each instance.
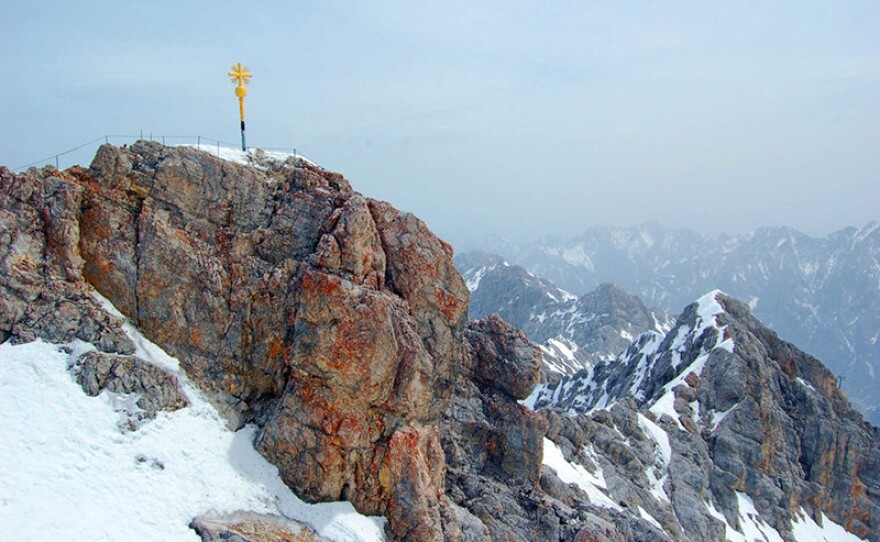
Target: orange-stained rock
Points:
(42, 294)
(331, 320)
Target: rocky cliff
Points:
(331, 320)
(717, 422)
(336, 325)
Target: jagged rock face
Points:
(331, 320)
(494, 449)
(486, 427)
(789, 406)
(741, 413)
(41, 294)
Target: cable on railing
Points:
(60, 154)
(199, 139)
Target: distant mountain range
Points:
(573, 332)
(823, 294)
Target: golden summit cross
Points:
(241, 76)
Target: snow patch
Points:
(649, 518)
(805, 529)
(666, 405)
(572, 473)
(751, 525)
(806, 384)
(473, 282)
(718, 417)
(69, 473)
(578, 257)
(659, 436)
(709, 307)
(245, 158)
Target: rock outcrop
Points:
(41, 292)
(716, 417)
(331, 320)
(251, 527)
(154, 388)
(494, 452)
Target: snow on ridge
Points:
(245, 158)
(865, 232)
(709, 307)
(476, 275)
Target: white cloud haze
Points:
(515, 118)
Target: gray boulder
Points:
(155, 388)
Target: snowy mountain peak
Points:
(574, 331)
(721, 389)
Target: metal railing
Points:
(200, 141)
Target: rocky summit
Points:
(331, 320)
(335, 327)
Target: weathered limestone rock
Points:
(502, 357)
(494, 452)
(41, 291)
(156, 389)
(332, 320)
(251, 527)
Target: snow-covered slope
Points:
(717, 430)
(70, 473)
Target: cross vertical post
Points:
(241, 76)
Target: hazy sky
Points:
(511, 117)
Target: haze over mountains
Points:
(287, 339)
(573, 332)
(823, 294)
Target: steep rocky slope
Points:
(718, 418)
(331, 320)
(495, 452)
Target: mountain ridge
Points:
(335, 326)
(819, 292)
